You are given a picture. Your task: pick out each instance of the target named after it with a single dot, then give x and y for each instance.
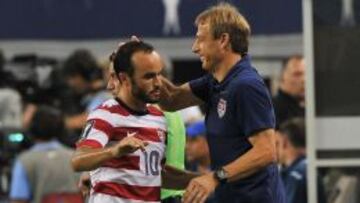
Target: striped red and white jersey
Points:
(135, 177)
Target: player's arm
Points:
(262, 153)
(177, 97)
(88, 158)
(173, 178)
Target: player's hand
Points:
(84, 184)
(128, 145)
(200, 188)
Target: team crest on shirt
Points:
(221, 107)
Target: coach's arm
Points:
(177, 97)
(262, 153)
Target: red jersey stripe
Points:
(88, 143)
(117, 109)
(134, 192)
(154, 111)
(146, 134)
(126, 162)
(103, 126)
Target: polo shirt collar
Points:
(243, 63)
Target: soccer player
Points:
(175, 148)
(239, 116)
(123, 143)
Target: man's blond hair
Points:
(225, 18)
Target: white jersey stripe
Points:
(104, 198)
(124, 176)
(99, 136)
(138, 175)
(117, 120)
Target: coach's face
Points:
(208, 48)
(146, 82)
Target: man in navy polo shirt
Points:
(239, 114)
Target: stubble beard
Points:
(141, 95)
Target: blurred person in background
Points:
(197, 150)
(290, 99)
(10, 99)
(191, 114)
(43, 169)
(85, 78)
(292, 157)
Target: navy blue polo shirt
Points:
(236, 108)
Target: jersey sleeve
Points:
(201, 87)
(254, 109)
(97, 131)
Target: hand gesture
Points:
(200, 188)
(128, 145)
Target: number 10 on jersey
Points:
(152, 162)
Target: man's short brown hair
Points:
(225, 18)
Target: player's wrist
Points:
(114, 152)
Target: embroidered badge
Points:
(221, 108)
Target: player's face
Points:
(113, 84)
(146, 80)
(206, 47)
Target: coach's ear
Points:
(224, 41)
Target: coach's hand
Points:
(200, 188)
(128, 145)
